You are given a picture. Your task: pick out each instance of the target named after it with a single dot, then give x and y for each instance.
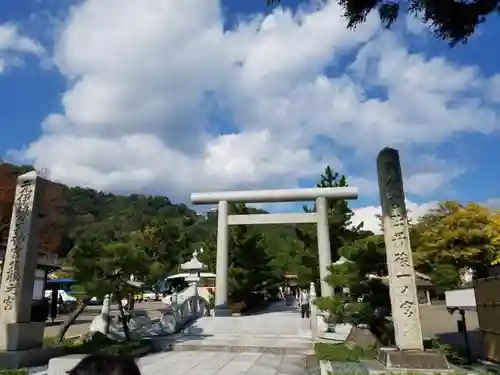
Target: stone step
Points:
(278, 324)
(235, 343)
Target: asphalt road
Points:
(153, 309)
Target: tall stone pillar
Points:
(324, 248)
(403, 291)
(409, 352)
(20, 263)
(221, 279)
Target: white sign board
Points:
(38, 288)
(461, 298)
(39, 285)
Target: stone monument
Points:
(194, 267)
(17, 332)
(409, 352)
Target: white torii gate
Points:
(320, 218)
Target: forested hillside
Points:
(72, 213)
(82, 224)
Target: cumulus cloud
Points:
(14, 46)
(367, 215)
(164, 97)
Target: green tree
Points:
(346, 306)
(167, 245)
(451, 238)
(249, 269)
(493, 232)
(102, 263)
(450, 20)
(340, 226)
(358, 293)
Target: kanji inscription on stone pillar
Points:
(402, 286)
(20, 263)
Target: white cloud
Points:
(162, 98)
(415, 26)
(367, 215)
(14, 45)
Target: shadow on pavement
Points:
(456, 341)
(276, 307)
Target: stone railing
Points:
(173, 320)
(180, 314)
(159, 331)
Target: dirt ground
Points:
(154, 309)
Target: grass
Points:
(99, 344)
(7, 371)
(341, 353)
(50, 341)
(107, 347)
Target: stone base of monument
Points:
(27, 358)
(222, 311)
(21, 336)
(21, 345)
(413, 360)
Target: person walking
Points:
(304, 302)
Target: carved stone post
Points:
(314, 312)
(403, 291)
(20, 263)
(409, 353)
(324, 247)
(222, 266)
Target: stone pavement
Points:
(274, 342)
(278, 321)
(280, 329)
(222, 363)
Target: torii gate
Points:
(320, 218)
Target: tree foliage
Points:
(493, 231)
(105, 238)
(450, 20)
(358, 294)
(454, 238)
(340, 226)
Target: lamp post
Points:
(194, 267)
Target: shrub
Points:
(342, 353)
(7, 371)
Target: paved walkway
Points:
(278, 330)
(275, 342)
(222, 363)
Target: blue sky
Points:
(162, 98)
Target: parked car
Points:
(149, 296)
(95, 301)
(66, 302)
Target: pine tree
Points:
(339, 219)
